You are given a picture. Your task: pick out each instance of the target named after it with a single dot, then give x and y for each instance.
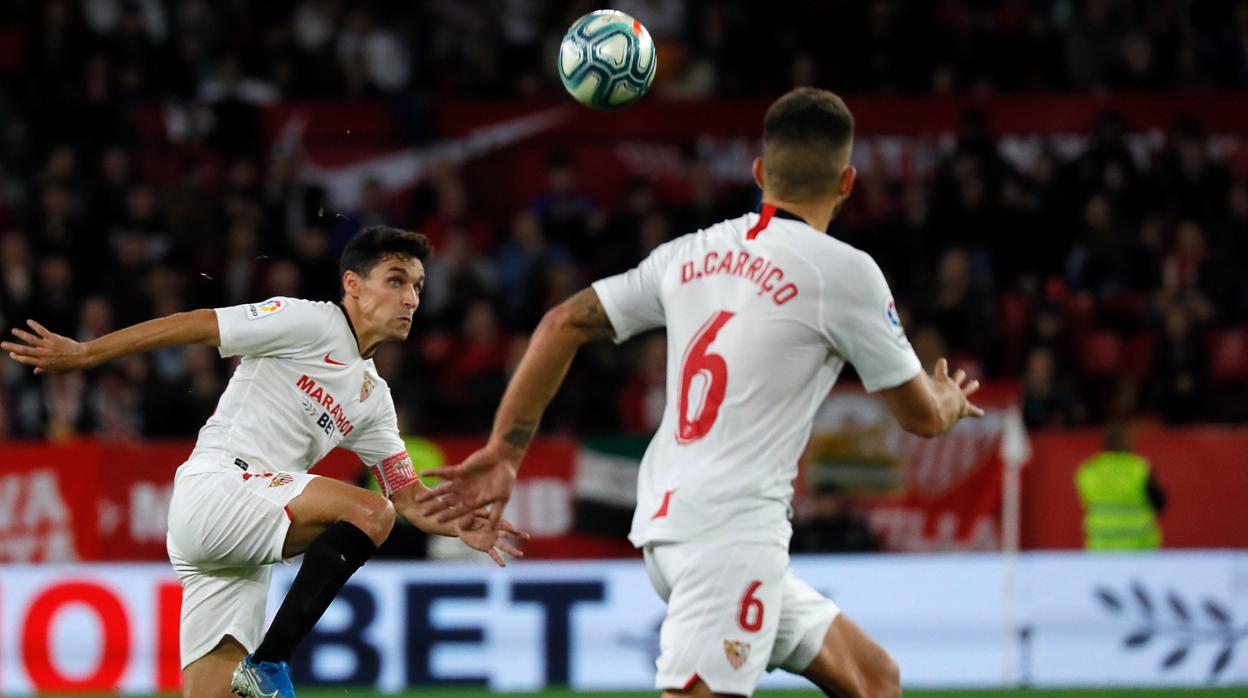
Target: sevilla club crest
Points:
(737, 652)
(366, 389)
(281, 479)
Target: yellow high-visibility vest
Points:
(1117, 514)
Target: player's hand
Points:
(47, 351)
(957, 383)
(477, 533)
(485, 478)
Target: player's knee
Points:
(382, 516)
(375, 517)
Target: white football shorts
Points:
(734, 611)
(227, 525)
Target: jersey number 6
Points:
(750, 614)
(714, 372)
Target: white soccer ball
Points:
(607, 60)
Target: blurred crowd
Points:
(1103, 282)
(283, 49)
(1109, 282)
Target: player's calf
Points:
(852, 665)
(329, 562)
(209, 676)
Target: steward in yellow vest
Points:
(1120, 498)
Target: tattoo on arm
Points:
(589, 317)
(521, 433)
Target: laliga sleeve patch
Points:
(894, 321)
(272, 306)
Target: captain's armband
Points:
(394, 473)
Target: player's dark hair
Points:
(379, 242)
(807, 135)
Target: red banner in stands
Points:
(916, 494)
(511, 142)
(133, 497)
(92, 501)
(48, 502)
(110, 501)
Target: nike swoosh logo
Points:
(331, 361)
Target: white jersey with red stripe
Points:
(301, 389)
(761, 312)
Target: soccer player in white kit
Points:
(244, 500)
(762, 312)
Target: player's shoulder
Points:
(735, 227)
(731, 229)
(279, 305)
(313, 323)
(845, 273)
(841, 259)
(322, 307)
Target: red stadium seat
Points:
(1015, 314)
(437, 347)
(1080, 311)
(967, 362)
(1139, 356)
(1015, 318)
(1101, 354)
(1125, 310)
(1228, 351)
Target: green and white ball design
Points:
(607, 60)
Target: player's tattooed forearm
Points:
(521, 433)
(590, 317)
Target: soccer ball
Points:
(606, 60)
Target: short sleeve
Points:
(276, 327)
(862, 320)
(633, 300)
(380, 437)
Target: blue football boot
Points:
(254, 679)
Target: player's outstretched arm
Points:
(929, 406)
(486, 477)
(474, 528)
(553, 346)
(49, 352)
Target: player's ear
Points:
(758, 171)
(351, 283)
(848, 175)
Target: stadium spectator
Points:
(643, 398)
(1048, 400)
(520, 262)
(474, 373)
(1180, 370)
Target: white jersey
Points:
(762, 313)
(302, 389)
